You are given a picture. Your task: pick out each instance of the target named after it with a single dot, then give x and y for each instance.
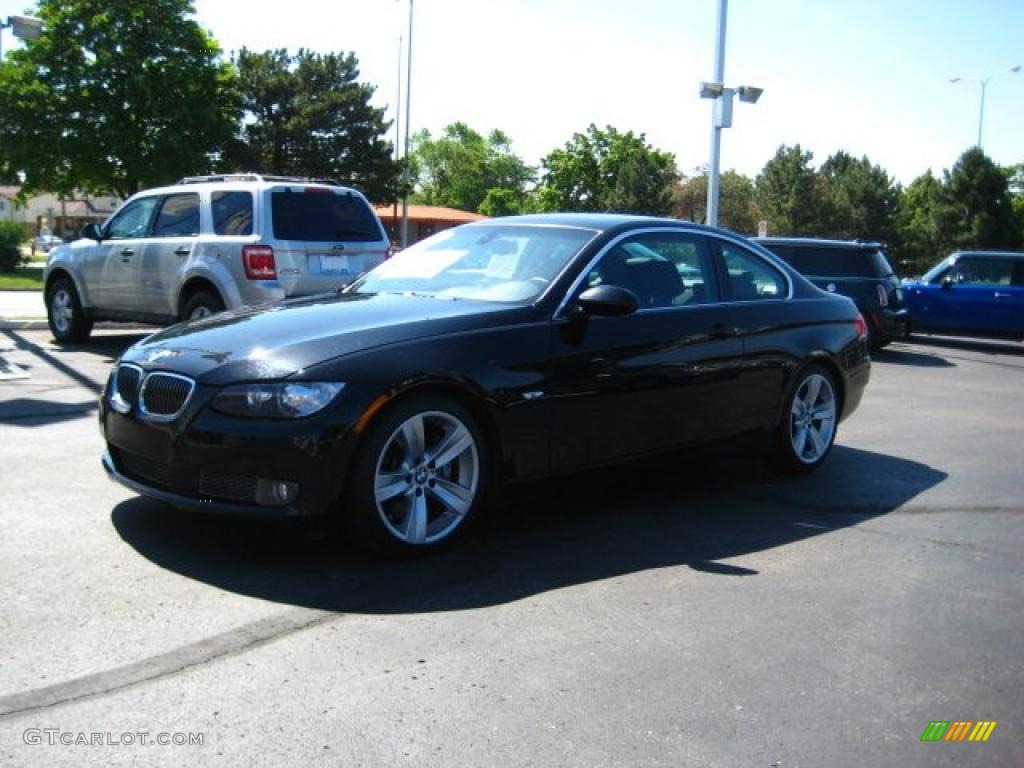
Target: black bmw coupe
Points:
(501, 350)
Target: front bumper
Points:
(193, 503)
(209, 462)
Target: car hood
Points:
(280, 340)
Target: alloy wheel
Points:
(812, 421)
(61, 310)
(427, 477)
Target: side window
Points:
(178, 217)
(1018, 273)
(232, 212)
(748, 277)
(132, 221)
(663, 269)
(982, 272)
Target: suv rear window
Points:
(319, 214)
(822, 261)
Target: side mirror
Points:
(607, 301)
(93, 232)
(947, 283)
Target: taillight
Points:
(883, 295)
(862, 327)
(258, 261)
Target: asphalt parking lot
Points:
(696, 611)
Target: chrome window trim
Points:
(117, 402)
(161, 417)
(773, 261)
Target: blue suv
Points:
(970, 293)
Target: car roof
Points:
(995, 254)
(820, 241)
(202, 184)
(602, 222)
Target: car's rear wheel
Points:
(807, 429)
(202, 304)
(418, 479)
(67, 320)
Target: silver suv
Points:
(210, 243)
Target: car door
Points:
(174, 237)
(973, 296)
(756, 296)
(660, 377)
(111, 267)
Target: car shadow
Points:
(984, 346)
(108, 345)
(542, 536)
(900, 355)
(31, 412)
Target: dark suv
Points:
(854, 268)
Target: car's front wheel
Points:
(67, 320)
(807, 429)
(418, 479)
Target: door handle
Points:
(127, 252)
(183, 251)
(723, 331)
(1001, 295)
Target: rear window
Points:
(232, 212)
(319, 214)
(834, 262)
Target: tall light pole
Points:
(983, 82)
(398, 146)
(721, 112)
(408, 105)
(23, 27)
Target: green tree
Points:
(1015, 185)
(308, 115)
(463, 169)
(861, 199)
(735, 201)
(790, 194)
(975, 209)
(116, 95)
(605, 170)
(918, 242)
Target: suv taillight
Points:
(883, 295)
(862, 327)
(258, 261)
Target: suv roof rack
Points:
(245, 176)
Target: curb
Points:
(29, 324)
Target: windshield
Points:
(502, 262)
(932, 275)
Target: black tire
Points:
(432, 504)
(805, 436)
(202, 304)
(64, 313)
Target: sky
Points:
(871, 77)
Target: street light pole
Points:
(983, 82)
(408, 106)
(721, 112)
(716, 123)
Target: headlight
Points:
(281, 400)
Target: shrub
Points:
(12, 235)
